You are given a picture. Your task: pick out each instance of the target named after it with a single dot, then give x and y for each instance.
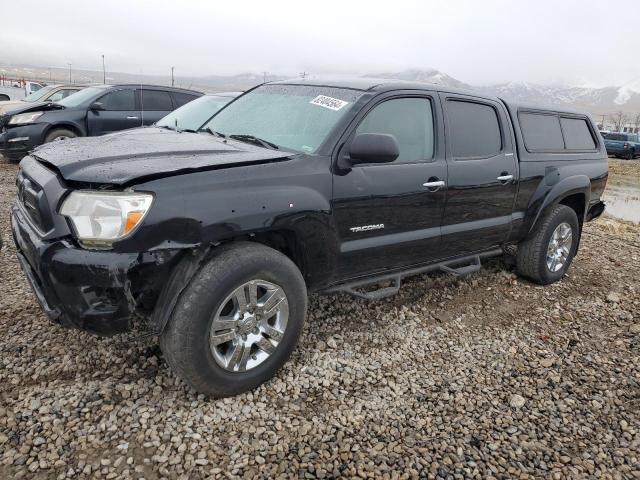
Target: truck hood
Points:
(122, 157)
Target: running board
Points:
(472, 267)
(469, 264)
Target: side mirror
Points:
(95, 106)
(373, 148)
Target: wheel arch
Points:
(65, 125)
(573, 192)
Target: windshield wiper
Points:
(255, 140)
(167, 127)
(212, 132)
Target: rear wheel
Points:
(546, 256)
(629, 155)
(237, 322)
(58, 134)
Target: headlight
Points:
(100, 218)
(22, 118)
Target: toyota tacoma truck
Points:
(213, 239)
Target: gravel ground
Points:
(485, 377)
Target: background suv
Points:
(625, 145)
(92, 111)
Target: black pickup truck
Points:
(212, 240)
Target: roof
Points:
(377, 84)
(542, 107)
(144, 85)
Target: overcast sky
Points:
(479, 42)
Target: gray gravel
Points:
(485, 377)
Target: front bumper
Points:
(95, 291)
(16, 142)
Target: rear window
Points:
(475, 129)
(577, 135)
(156, 101)
(541, 132)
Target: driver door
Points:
(119, 111)
(389, 215)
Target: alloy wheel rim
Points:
(559, 247)
(249, 325)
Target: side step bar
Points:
(458, 267)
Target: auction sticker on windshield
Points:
(328, 102)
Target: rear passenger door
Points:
(119, 111)
(385, 215)
(154, 104)
(482, 174)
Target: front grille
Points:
(32, 199)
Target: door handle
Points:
(435, 184)
(505, 178)
(129, 117)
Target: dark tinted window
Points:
(410, 120)
(618, 136)
(182, 98)
(119, 100)
(577, 135)
(541, 132)
(156, 100)
(474, 129)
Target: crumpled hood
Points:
(9, 105)
(122, 157)
(24, 107)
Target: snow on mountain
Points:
(597, 100)
(626, 92)
(429, 75)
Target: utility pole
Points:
(264, 77)
(69, 73)
(172, 80)
(50, 77)
(603, 117)
(104, 72)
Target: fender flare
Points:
(566, 187)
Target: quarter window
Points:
(474, 129)
(410, 121)
(119, 100)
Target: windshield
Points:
(294, 117)
(78, 98)
(192, 115)
(37, 95)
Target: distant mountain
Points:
(598, 101)
(429, 75)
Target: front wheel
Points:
(237, 322)
(59, 134)
(546, 256)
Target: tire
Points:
(59, 134)
(532, 259)
(629, 155)
(4, 98)
(185, 341)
